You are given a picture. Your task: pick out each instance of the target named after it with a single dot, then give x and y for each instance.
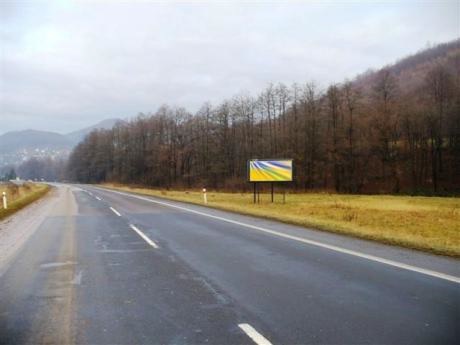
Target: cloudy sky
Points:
(66, 65)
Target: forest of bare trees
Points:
(374, 138)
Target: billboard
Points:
(270, 170)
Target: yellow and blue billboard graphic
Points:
(265, 170)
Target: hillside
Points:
(19, 146)
(77, 136)
(388, 131)
(410, 72)
(32, 139)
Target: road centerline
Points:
(369, 257)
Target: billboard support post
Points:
(255, 184)
(272, 192)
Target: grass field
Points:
(425, 223)
(20, 196)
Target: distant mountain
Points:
(18, 146)
(77, 136)
(32, 139)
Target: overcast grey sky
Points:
(66, 65)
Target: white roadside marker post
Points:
(205, 198)
(5, 202)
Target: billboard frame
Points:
(269, 159)
(256, 192)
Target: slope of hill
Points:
(389, 131)
(32, 139)
(77, 136)
(411, 71)
(18, 146)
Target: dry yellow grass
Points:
(20, 196)
(425, 223)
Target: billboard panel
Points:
(273, 170)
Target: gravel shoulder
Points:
(16, 229)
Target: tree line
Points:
(380, 138)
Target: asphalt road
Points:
(108, 268)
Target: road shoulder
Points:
(17, 228)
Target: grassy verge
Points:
(426, 223)
(20, 196)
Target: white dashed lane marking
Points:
(144, 236)
(258, 338)
(115, 211)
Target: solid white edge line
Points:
(115, 211)
(303, 240)
(144, 236)
(258, 338)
